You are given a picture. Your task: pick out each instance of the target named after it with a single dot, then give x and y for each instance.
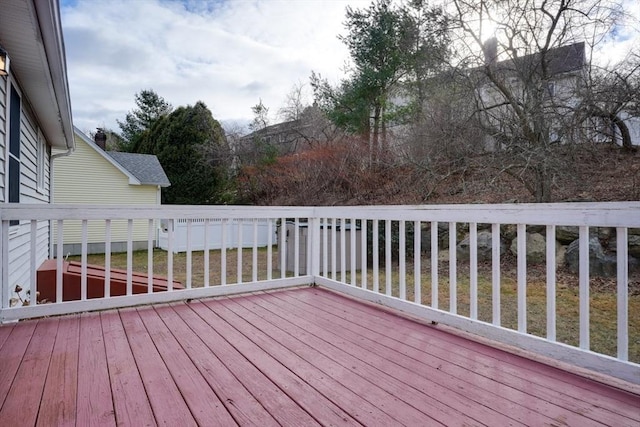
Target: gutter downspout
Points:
(51, 188)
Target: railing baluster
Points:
(83, 262)
(33, 300)
(473, 270)
(352, 247)
(240, 223)
(495, 273)
(150, 238)
(343, 250)
(170, 254)
(551, 282)
(296, 247)
(189, 253)
(254, 276)
(107, 258)
(309, 251)
(402, 254)
(129, 257)
(223, 253)
(375, 244)
(453, 274)
(5, 286)
(269, 249)
(363, 253)
(206, 253)
(584, 286)
(522, 277)
(417, 254)
(325, 249)
(434, 264)
(60, 253)
(283, 247)
(622, 247)
(387, 253)
(334, 248)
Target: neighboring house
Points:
(108, 178)
(287, 137)
(35, 116)
(559, 86)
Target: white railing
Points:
(391, 255)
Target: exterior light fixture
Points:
(4, 62)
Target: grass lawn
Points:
(603, 297)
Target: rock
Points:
(634, 245)
(536, 248)
(561, 250)
(485, 242)
(566, 235)
(542, 229)
(600, 264)
(632, 240)
(508, 231)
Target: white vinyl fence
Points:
(194, 233)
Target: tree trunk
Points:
(624, 132)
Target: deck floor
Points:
(299, 357)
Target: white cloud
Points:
(228, 54)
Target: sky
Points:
(230, 54)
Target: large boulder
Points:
(633, 240)
(485, 242)
(566, 235)
(536, 248)
(600, 264)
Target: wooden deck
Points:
(299, 357)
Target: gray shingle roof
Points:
(145, 167)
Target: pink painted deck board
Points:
(94, 401)
(388, 392)
(28, 384)
(58, 405)
(304, 356)
(206, 407)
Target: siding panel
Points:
(86, 177)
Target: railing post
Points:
(314, 237)
(623, 292)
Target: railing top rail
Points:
(102, 212)
(604, 214)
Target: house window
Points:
(41, 156)
(14, 149)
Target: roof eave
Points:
(33, 38)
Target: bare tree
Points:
(610, 99)
(294, 104)
(528, 77)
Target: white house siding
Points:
(21, 272)
(86, 177)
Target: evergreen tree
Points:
(150, 108)
(192, 148)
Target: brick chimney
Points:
(490, 49)
(100, 139)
